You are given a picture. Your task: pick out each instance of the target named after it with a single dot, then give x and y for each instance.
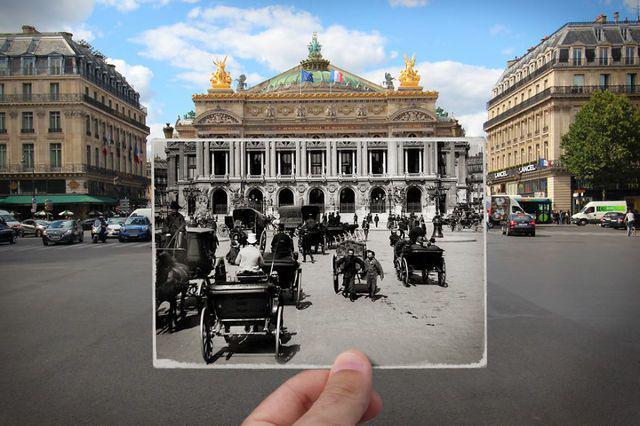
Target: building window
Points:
(112, 164)
(285, 163)
(578, 80)
(220, 166)
(191, 166)
(55, 66)
(26, 91)
(55, 155)
(3, 156)
(604, 81)
(629, 57)
(27, 156)
(87, 124)
(577, 57)
(316, 163)
(604, 56)
(616, 54)
(413, 160)
(4, 66)
(256, 163)
(3, 124)
(27, 122)
(29, 66)
(347, 162)
(54, 121)
(97, 158)
(88, 155)
(377, 162)
(54, 91)
(631, 82)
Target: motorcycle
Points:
(98, 233)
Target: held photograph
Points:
(284, 252)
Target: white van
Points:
(594, 210)
(143, 212)
(501, 207)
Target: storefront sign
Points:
(528, 168)
(498, 175)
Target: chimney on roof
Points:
(168, 131)
(511, 62)
(29, 29)
(616, 17)
(601, 19)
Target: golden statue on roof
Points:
(409, 76)
(220, 79)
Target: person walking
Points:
(376, 219)
(305, 239)
(355, 218)
(630, 219)
(365, 228)
(372, 270)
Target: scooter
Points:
(99, 233)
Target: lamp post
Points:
(435, 193)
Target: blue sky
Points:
(165, 47)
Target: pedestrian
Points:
(347, 265)
(365, 228)
(561, 216)
(338, 218)
(630, 219)
(376, 219)
(373, 269)
(355, 218)
(305, 238)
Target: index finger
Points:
(291, 400)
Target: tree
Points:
(602, 146)
(190, 115)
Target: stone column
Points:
(243, 160)
(199, 162)
(462, 169)
(451, 162)
(237, 153)
(327, 170)
(296, 160)
(392, 152)
(267, 158)
(425, 160)
(207, 160)
(360, 155)
(185, 166)
(434, 157)
(303, 160)
(171, 168)
(273, 158)
(334, 157)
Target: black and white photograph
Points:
(286, 252)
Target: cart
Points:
(286, 273)
(248, 307)
(414, 258)
(244, 220)
(360, 251)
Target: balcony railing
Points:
(112, 111)
(561, 92)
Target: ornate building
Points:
(316, 134)
(536, 99)
(72, 130)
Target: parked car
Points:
(63, 231)
(87, 224)
(7, 235)
(613, 220)
(519, 223)
(11, 221)
(33, 227)
(135, 228)
(113, 226)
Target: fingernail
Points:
(349, 361)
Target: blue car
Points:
(135, 228)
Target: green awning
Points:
(25, 200)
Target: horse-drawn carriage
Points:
(285, 272)
(360, 252)
(412, 258)
(245, 219)
(183, 264)
(339, 232)
(237, 310)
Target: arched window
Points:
(347, 201)
(219, 202)
(285, 198)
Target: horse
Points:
(172, 278)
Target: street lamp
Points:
(435, 192)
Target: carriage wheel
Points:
(279, 325)
(406, 272)
(299, 289)
(207, 324)
(397, 266)
(263, 240)
(442, 275)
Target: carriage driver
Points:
(249, 258)
(348, 264)
(175, 221)
(282, 244)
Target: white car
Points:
(113, 226)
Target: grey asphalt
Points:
(563, 342)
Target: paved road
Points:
(564, 343)
(421, 325)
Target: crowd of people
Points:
(561, 217)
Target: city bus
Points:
(538, 207)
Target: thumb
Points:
(346, 395)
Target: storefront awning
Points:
(25, 200)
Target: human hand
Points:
(342, 396)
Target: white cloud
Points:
(463, 89)
(138, 76)
(408, 3)
(130, 5)
(507, 51)
(82, 32)
(499, 29)
(45, 15)
(275, 36)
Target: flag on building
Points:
(135, 154)
(306, 76)
(104, 151)
(544, 163)
(337, 77)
